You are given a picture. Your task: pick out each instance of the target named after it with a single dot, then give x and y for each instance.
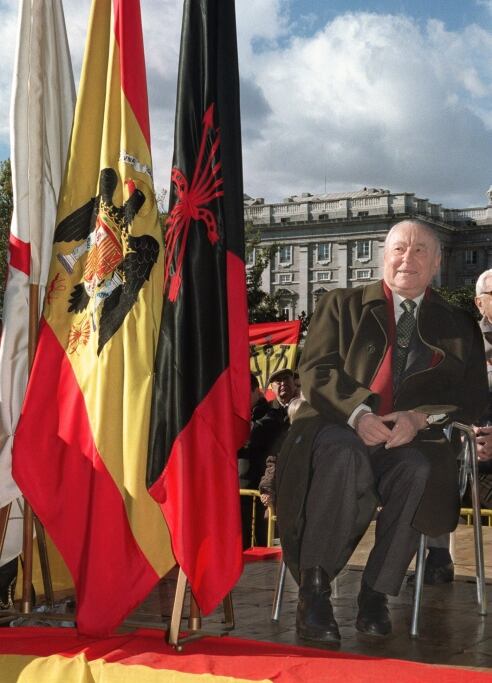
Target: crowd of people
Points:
(384, 369)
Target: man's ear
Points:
(479, 303)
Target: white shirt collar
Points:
(397, 299)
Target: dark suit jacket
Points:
(345, 346)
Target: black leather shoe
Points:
(435, 576)
(315, 620)
(373, 617)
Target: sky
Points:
(336, 95)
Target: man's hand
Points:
(371, 429)
(406, 425)
(266, 499)
(484, 442)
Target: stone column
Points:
(380, 260)
(342, 264)
(266, 278)
(489, 258)
(304, 284)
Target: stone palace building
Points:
(336, 240)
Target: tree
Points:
(6, 207)
(463, 297)
(262, 307)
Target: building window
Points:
(286, 312)
(250, 257)
(285, 255)
(363, 274)
(469, 281)
(471, 257)
(361, 214)
(324, 275)
(363, 250)
(285, 278)
(323, 251)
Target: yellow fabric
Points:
(58, 669)
(60, 576)
(276, 356)
(116, 384)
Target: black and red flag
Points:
(200, 406)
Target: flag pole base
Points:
(194, 620)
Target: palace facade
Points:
(336, 240)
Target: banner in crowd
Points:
(272, 346)
(200, 407)
(42, 105)
(80, 449)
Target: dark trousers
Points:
(338, 509)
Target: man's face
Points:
(411, 259)
(484, 301)
(284, 388)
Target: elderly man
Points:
(383, 368)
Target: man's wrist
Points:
(359, 416)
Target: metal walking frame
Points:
(468, 475)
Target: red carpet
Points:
(260, 553)
(59, 655)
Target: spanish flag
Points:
(200, 406)
(81, 444)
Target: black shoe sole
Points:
(372, 630)
(317, 636)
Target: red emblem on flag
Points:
(190, 205)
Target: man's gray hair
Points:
(480, 285)
(421, 224)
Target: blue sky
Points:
(394, 94)
(456, 14)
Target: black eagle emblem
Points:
(117, 264)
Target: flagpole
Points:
(27, 541)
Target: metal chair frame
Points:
(468, 475)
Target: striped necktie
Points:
(404, 330)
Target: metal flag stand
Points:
(30, 520)
(194, 619)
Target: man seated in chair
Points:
(384, 367)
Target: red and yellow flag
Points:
(81, 445)
(272, 346)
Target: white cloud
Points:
(368, 99)
(376, 100)
(8, 32)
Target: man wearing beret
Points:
(383, 369)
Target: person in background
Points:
(439, 566)
(268, 427)
(267, 482)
